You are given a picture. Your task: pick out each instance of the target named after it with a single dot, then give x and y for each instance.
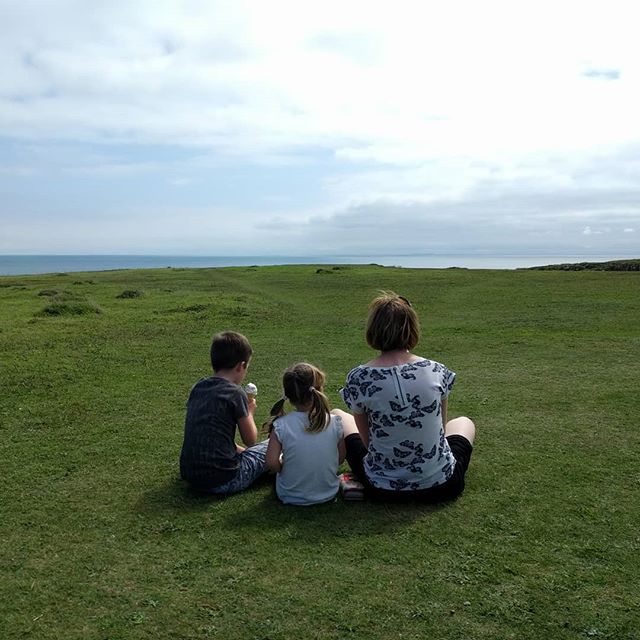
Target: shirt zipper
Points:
(399, 394)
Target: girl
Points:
(402, 445)
(306, 446)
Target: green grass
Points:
(99, 538)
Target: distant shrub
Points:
(331, 270)
(131, 293)
(71, 308)
(60, 296)
(66, 303)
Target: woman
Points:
(402, 446)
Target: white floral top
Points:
(407, 447)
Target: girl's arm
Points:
(274, 449)
(362, 422)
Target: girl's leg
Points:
(348, 423)
(462, 427)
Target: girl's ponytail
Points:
(302, 384)
(320, 412)
(277, 411)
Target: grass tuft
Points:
(130, 293)
(66, 303)
(71, 308)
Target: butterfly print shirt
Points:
(407, 447)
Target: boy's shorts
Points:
(252, 464)
(451, 489)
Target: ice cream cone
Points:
(251, 391)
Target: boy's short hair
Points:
(392, 323)
(228, 349)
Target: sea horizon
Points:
(40, 264)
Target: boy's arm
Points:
(248, 430)
(247, 426)
(274, 449)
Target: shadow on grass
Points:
(174, 497)
(337, 518)
(259, 509)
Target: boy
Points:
(210, 460)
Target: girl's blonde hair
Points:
(392, 323)
(303, 383)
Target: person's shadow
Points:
(337, 518)
(259, 509)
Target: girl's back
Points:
(310, 460)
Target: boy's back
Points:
(209, 457)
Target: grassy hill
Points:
(99, 539)
(611, 265)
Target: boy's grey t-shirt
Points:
(209, 458)
(309, 460)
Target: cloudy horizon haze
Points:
(288, 128)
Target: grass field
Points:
(99, 538)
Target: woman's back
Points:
(403, 403)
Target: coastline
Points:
(15, 265)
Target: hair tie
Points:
(312, 389)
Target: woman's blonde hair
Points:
(392, 323)
(303, 383)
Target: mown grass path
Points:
(99, 539)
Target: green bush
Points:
(71, 308)
(130, 293)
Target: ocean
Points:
(39, 264)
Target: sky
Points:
(319, 128)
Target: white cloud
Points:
(515, 117)
(401, 84)
(180, 182)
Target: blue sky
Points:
(289, 128)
